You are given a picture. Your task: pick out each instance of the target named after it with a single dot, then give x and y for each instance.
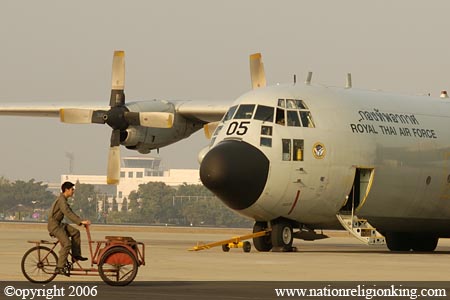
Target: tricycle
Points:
(117, 259)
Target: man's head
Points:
(68, 189)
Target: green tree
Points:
(25, 196)
(85, 201)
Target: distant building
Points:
(133, 172)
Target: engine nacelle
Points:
(144, 139)
(133, 136)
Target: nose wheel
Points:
(282, 236)
(262, 243)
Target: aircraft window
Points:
(301, 104)
(245, 111)
(267, 142)
(281, 103)
(298, 150)
(212, 141)
(286, 149)
(307, 119)
(290, 103)
(266, 130)
(264, 113)
(230, 113)
(292, 118)
(218, 129)
(280, 117)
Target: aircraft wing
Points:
(34, 110)
(202, 111)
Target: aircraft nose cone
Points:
(236, 172)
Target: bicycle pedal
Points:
(62, 271)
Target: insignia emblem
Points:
(319, 150)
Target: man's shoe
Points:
(61, 271)
(80, 258)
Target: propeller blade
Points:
(257, 71)
(118, 80)
(209, 129)
(113, 172)
(115, 138)
(76, 115)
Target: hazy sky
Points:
(61, 52)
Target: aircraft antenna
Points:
(444, 94)
(295, 79)
(308, 78)
(349, 81)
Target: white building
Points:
(133, 172)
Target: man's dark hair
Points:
(66, 186)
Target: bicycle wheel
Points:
(118, 266)
(38, 264)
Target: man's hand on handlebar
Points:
(85, 222)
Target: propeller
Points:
(118, 117)
(257, 71)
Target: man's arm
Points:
(68, 213)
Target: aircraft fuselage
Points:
(321, 141)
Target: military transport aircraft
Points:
(301, 157)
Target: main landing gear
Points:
(279, 240)
(405, 241)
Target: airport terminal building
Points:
(133, 172)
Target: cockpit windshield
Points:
(230, 113)
(289, 112)
(264, 113)
(245, 111)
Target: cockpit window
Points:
(292, 118)
(218, 129)
(245, 111)
(295, 108)
(290, 103)
(264, 113)
(301, 104)
(280, 119)
(307, 119)
(230, 113)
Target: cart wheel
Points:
(38, 264)
(118, 266)
(225, 247)
(247, 246)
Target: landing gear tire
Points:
(225, 248)
(262, 243)
(398, 241)
(282, 237)
(403, 241)
(425, 243)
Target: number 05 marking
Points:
(238, 128)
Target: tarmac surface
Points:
(169, 264)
